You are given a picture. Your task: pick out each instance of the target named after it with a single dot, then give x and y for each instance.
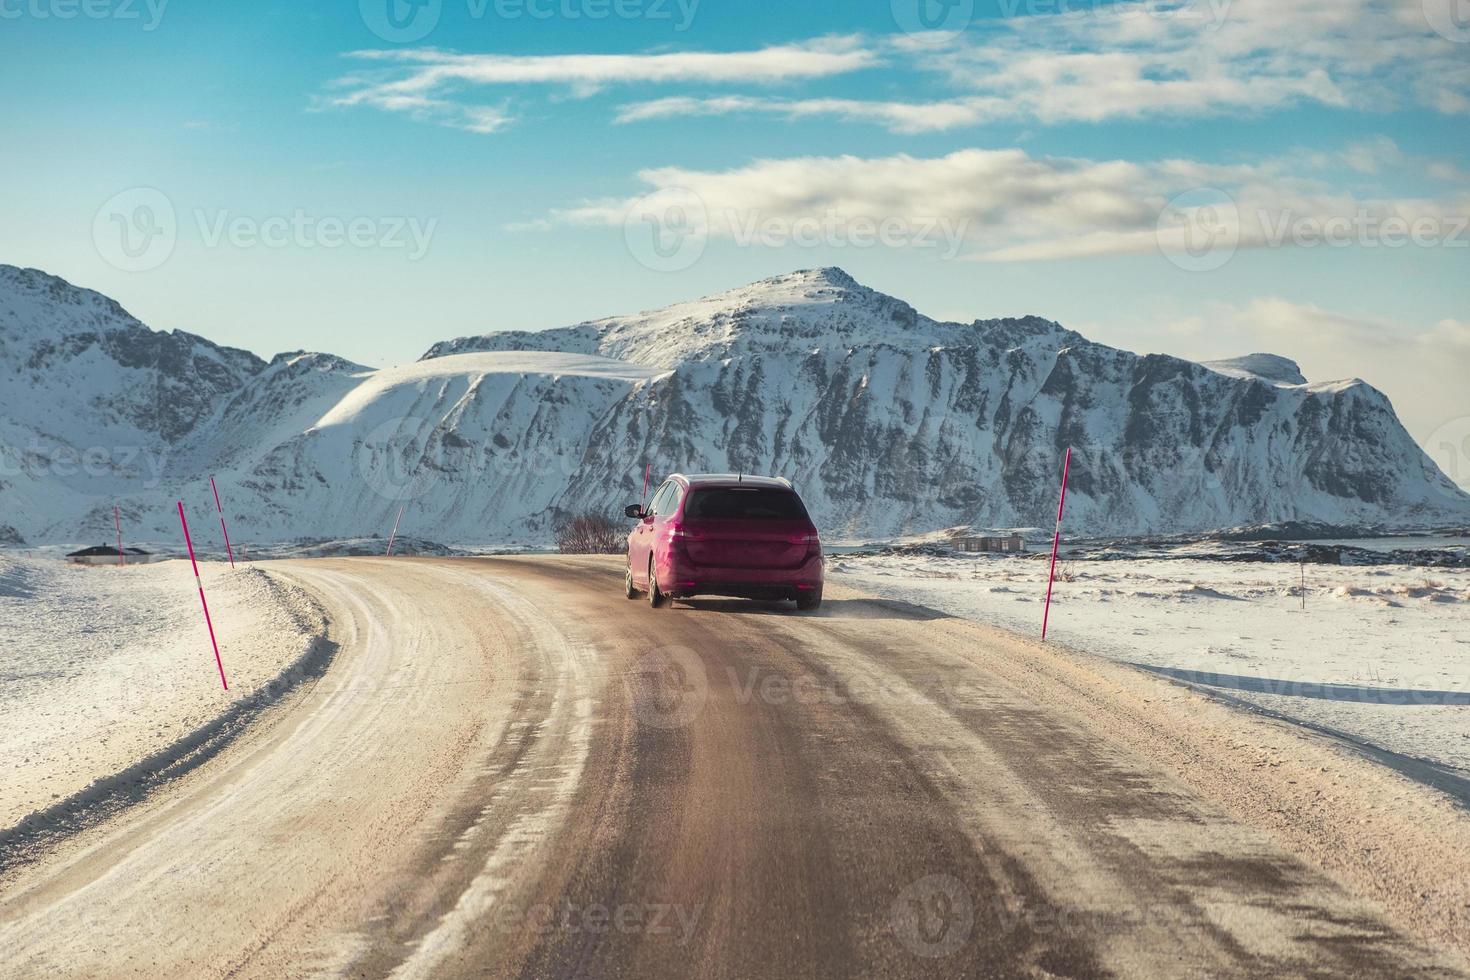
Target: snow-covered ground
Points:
(104, 668)
(1381, 654)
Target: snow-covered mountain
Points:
(888, 421)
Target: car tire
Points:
(810, 602)
(656, 599)
(628, 589)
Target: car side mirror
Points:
(634, 511)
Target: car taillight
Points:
(680, 539)
(813, 545)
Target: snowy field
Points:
(1380, 653)
(104, 668)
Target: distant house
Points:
(1009, 543)
(107, 554)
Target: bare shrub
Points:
(591, 534)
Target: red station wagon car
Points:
(724, 535)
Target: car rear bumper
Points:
(689, 580)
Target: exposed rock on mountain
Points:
(888, 421)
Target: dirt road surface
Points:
(509, 770)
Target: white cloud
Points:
(1090, 62)
(998, 187)
(1133, 59)
(444, 112)
(1016, 207)
(1372, 156)
(1152, 58)
(898, 117)
(428, 83)
(812, 59)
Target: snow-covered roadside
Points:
(1381, 654)
(103, 668)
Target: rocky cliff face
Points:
(94, 404)
(88, 366)
(891, 422)
(887, 421)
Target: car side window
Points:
(661, 500)
(668, 500)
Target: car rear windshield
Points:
(745, 504)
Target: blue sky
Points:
(1030, 156)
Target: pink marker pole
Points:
(1055, 544)
(392, 537)
(228, 550)
(647, 472)
(197, 581)
(117, 523)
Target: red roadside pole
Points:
(117, 523)
(647, 472)
(197, 581)
(228, 550)
(1055, 544)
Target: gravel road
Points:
(509, 769)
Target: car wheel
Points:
(655, 598)
(628, 589)
(810, 601)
